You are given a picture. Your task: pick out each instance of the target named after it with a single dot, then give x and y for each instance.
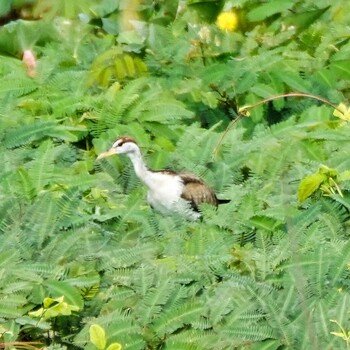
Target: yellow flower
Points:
(227, 21)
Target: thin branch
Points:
(243, 110)
(294, 94)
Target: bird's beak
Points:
(110, 152)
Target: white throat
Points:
(140, 168)
(164, 189)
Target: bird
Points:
(168, 191)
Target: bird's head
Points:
(124, 145)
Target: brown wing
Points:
(197, 191)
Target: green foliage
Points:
(85, 263)
(53, 308)
(98, 338)
(325, 179)
(115, 66)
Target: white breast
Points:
(164, 195)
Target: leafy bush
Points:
(85, 263)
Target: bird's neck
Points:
(141, 170)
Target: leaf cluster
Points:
(85, 263)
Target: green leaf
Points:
(256, 113)
(245, 82)
(207, 10)
(114, 64)
(279, 89)
(49, 301)
(304, 19)
(266, 345)
(71, 294)
(327, 77)
(17, 86)
(16, 36)
(26, 181)
(8, 257)
(341, 68)
(264, 222)
(130, 65)
(53, 308)
(97, 336)
(114, 346)
(309, 185)
(28, 133)
(209, 99)
(268, 9)
(294, 81)
(60, 309)
(263, 90)
(110, 25)
(5, 7)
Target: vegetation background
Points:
(85, 263)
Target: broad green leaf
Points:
(114, 346)
(207, 10)
(4, 330)
(304, 19)
(17, 36)
(266, 345)
(97, 336)
(71, 294)
(245, 83)
(268, 9)
(327, 77)
(344, 201)
(30, 132)
(293, 80)
(53, 308)
(263, 90)
(256, 113)
(5, 7)
(279, 87)
(210, 99)
(49, 301)
(341, 68)
(309, 185)
(110, 25)
(264, 222)
(109, 7)
(61, 9)
(60, 309)
(344, 176)
(64, 132)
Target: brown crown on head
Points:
(121, 140)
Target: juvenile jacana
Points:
(168, 191)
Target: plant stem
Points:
(246, 108)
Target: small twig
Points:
(216, 149)
(294, 94)
(21, 345)
(202, 54)
(243, 110)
